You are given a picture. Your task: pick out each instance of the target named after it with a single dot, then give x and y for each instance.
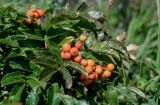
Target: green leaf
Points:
(50, 61)
(10, 78)
(24, 36)
(112, 48)
(66, 40)
(34, 82)
(17, 92)
(95, 14)
(126, 64)
(68, 100)
(15, 65)
(67, 77)
(10, 42)
(75, 67)
(34, 37)
(46, 74)
(15, 95)
(33, 98)
(137, 91)
(54, 21)
(127, 93)
(48, 57)
(88, 55)
(112, 95)
(36, 69)
(52, 98)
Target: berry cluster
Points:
(94, 71)
(71, 54)
(34, 14)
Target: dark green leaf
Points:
(15, 95)
(46, 74)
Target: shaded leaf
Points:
(15, 95)
(46, 74)
(15, 65)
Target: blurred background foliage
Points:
(135, 18)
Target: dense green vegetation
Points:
(125, 33)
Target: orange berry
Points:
(77, 59)
(66, 47)
(30, 13)
(65, 55)
(87, 81)
(91, 76)
(70, 60)
(99, 69)
(102, 77)
(78, 44)
(110, 67)
(84, 62)
(91, 62)
(33, 9)
(74, 51)
(83, 37)
(83, 77)
(104, 66)
(94, 67)
(40, 12)
(28, 21)
(106, 73)
(96, 78)
(89, 69)
(36, 15)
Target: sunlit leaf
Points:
(67, 77)
(33, 98)
(75, 67)
(53, 99)
(10, 78)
